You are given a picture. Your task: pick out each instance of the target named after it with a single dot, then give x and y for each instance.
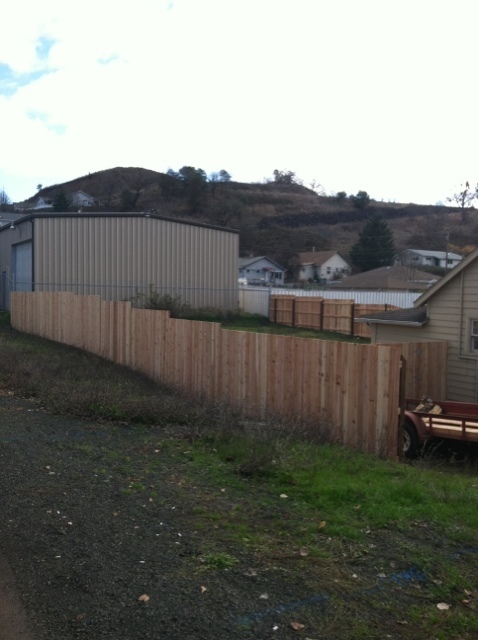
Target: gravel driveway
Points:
(91, 557)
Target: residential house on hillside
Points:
(447, 311)
(118, 256)
(261, 270)
(43, 202)
(82, 199)
(322, 266)
(424, 258)
(397, 278)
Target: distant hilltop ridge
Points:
(275, 219)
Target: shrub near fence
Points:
(350, 389)
(323, 314)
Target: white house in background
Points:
(323, 265)
(82, 199)
(261, 270)
(77, 198)
(42, 203)
(424, 258)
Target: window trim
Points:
(473, 335)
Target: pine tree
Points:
(62, 202)
(375, 247)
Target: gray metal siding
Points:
(21, 233)
(117, 257)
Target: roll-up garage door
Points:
(22, 266)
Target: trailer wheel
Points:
(410, 442)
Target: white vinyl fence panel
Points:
(256, 299)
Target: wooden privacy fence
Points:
(323, 314)
(351, 389)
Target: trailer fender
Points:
(418, 424)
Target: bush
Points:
(361, 200)
(161, 302)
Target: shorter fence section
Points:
(350, 390)
(322, 314)
(257, 299)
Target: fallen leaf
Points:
(264, 596)
(304, 552)
(283, 495)
(203, 589)
(466, 601)
(143, 598)
(250, 573)
(275, 627)
(443, 606)
(402, 622)
(297, 626)
(322, 524)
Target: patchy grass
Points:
(260, 324)
(378, 545)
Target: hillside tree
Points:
(465, 198)
(375, 247)
(361, 200)
(5, 202)
(194, 186)
(285, 177)
(61, 202)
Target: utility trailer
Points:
(456, 421)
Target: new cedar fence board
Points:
(349, 390)
(323, 314)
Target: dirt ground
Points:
(101, 537)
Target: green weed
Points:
(218, 561)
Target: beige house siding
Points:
(117, 256)
(450, 311)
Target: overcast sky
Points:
(378, 95)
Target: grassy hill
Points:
(275, 219)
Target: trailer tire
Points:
(410, 442)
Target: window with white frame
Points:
(474, 335)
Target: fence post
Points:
(293, 312)
(352, 319)
(402, 402)
(321, 315)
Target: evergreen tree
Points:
(62, 202)
(375, 247)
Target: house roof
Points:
(247, 262)
(417, 315)
(75, 193)
(317, 257)
(411, 317)
(396, 278)
(453, 273)
(440, 255)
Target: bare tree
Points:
(5, 202)
(464, 198)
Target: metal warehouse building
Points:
(118, 255)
